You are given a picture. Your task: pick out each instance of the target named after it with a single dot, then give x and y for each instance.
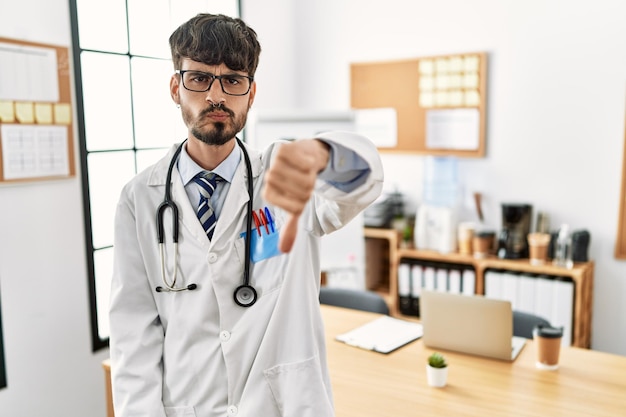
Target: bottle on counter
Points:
(563, 248)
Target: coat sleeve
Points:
(136, 334)
(335, 206)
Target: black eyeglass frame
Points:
(213, 78)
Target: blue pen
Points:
(269, 218)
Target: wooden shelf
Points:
(381, 246)
(581, 275)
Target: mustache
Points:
(212, 109)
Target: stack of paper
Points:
(384, 334)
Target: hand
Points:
(290, 181)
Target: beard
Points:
(214, 133)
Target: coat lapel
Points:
(235, 205)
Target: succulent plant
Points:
(436, 360)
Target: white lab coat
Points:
(271, 357)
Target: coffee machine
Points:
(512, 241)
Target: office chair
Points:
(354, 299)
(524, 323)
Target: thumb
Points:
(288, 234)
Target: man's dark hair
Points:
(214, 40)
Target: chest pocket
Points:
(263, 244)
(264, 236)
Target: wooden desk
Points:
(370, 384)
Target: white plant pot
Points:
(437, 377)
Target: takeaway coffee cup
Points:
(482, 243)
(465, 236)
(548, 346)
(538, 247)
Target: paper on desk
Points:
(384, 334)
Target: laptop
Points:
(469, 324)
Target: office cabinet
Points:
(384, 257)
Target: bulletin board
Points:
(440, 101)
(36, 131)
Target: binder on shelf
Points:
(404, 288)
(454, 280)
(416, 288)
(441, 276)
(526, 293)
(509, 287)
(429, 277)
(544, 296)
(563, 308)
(468, 282)
(493, 284)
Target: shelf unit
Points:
(381, 264)
(581, 275)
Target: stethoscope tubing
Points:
(244, 295)
(168, 203)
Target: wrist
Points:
(322, 154)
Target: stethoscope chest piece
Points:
(245, 295)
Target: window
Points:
(126, 118)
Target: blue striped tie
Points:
(207, 181)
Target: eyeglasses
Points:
(232, 84)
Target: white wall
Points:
(51, 369)
(556, 102)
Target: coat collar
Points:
(234, 206)
(159, 170)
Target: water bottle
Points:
(563, 248)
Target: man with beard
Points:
(201, 323)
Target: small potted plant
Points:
(437, 370)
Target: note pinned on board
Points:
(453, 129)
(24, 112)
(43, 113)
(33, 72)
(7, 112)
(380, 125)
(33, 151)
(62, 113)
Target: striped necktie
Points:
(207, 182)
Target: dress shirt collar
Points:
(189, 169)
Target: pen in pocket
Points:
(263, 219)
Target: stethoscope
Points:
(245, 295)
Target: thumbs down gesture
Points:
(290, 181)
